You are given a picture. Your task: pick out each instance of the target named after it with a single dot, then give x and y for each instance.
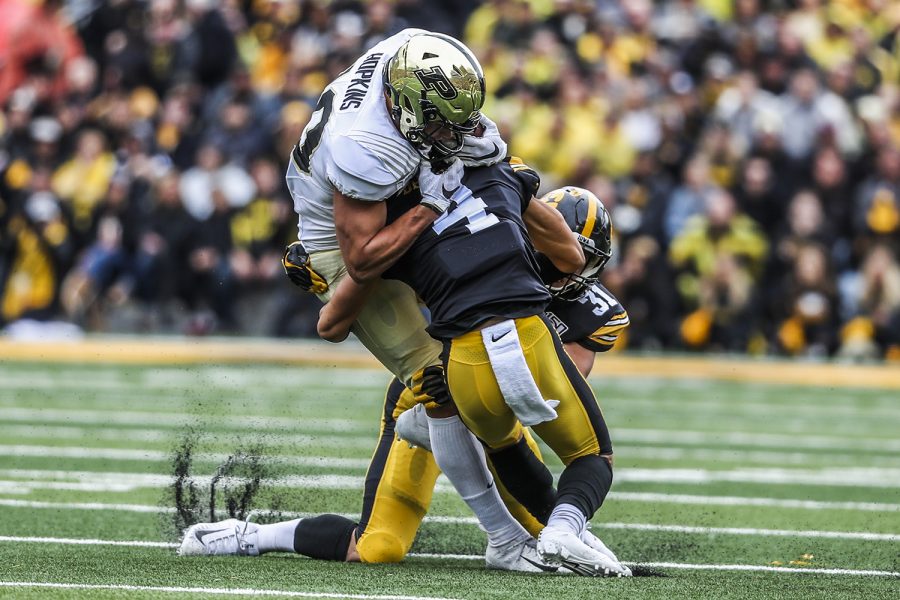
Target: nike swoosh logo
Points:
(491, 484)
(541, 566)
(495, 338)
(490, 154)
(203, 534)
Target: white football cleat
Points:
(594, 542)
(228, 537)
(519, 556)
(563, 548)
(412, 427)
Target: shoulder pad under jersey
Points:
(366, 167)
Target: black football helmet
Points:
(588, 219)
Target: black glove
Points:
(430, 385)
(298, 268)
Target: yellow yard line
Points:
(789, 372)
(182, 351)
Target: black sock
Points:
(585, 483)
(526, 478)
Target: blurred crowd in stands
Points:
(748, 152)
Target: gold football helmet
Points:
(436, 87)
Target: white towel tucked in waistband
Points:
(516, 382)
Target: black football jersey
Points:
(476, 261)
(594, 320)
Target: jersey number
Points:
(311, 137)
(471, 209)
(601, 300)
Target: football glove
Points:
(298, 268)
(430, 385)
(483, 151)
(438, 189)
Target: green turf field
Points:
(722, 490)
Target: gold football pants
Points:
(390, 325)
(578, 431)
(399, 485)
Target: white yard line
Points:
(137, 508)
(740, 531)
(129, 482)
(659, 565)
(873, 477)
(616, 496)
(159, 436)
(689, 566)
(759, 440)
(752, 409)
(750, 501)
(85, 542)
(852, 477)
(210, 378)
(706, 567)
(660, 453)
(744, 456)
(175, 418)
(752, 531)
(209, 591)
(178, 418)
(18, 450)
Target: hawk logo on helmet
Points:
(435, 79)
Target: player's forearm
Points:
(338, 315)
(368, 261)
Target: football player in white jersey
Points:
(409, 105)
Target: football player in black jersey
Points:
(587, 317)
(476, 271)
(387, 521)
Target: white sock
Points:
(277, 537)
(568, 516)
(460, 456)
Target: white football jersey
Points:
(350, 145)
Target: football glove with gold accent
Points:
(298, 268)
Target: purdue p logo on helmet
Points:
(588, 219)
(436, 87)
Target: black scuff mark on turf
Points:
(182, 494)
(232, 491)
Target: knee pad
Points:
(380, 547)
(326, 537)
